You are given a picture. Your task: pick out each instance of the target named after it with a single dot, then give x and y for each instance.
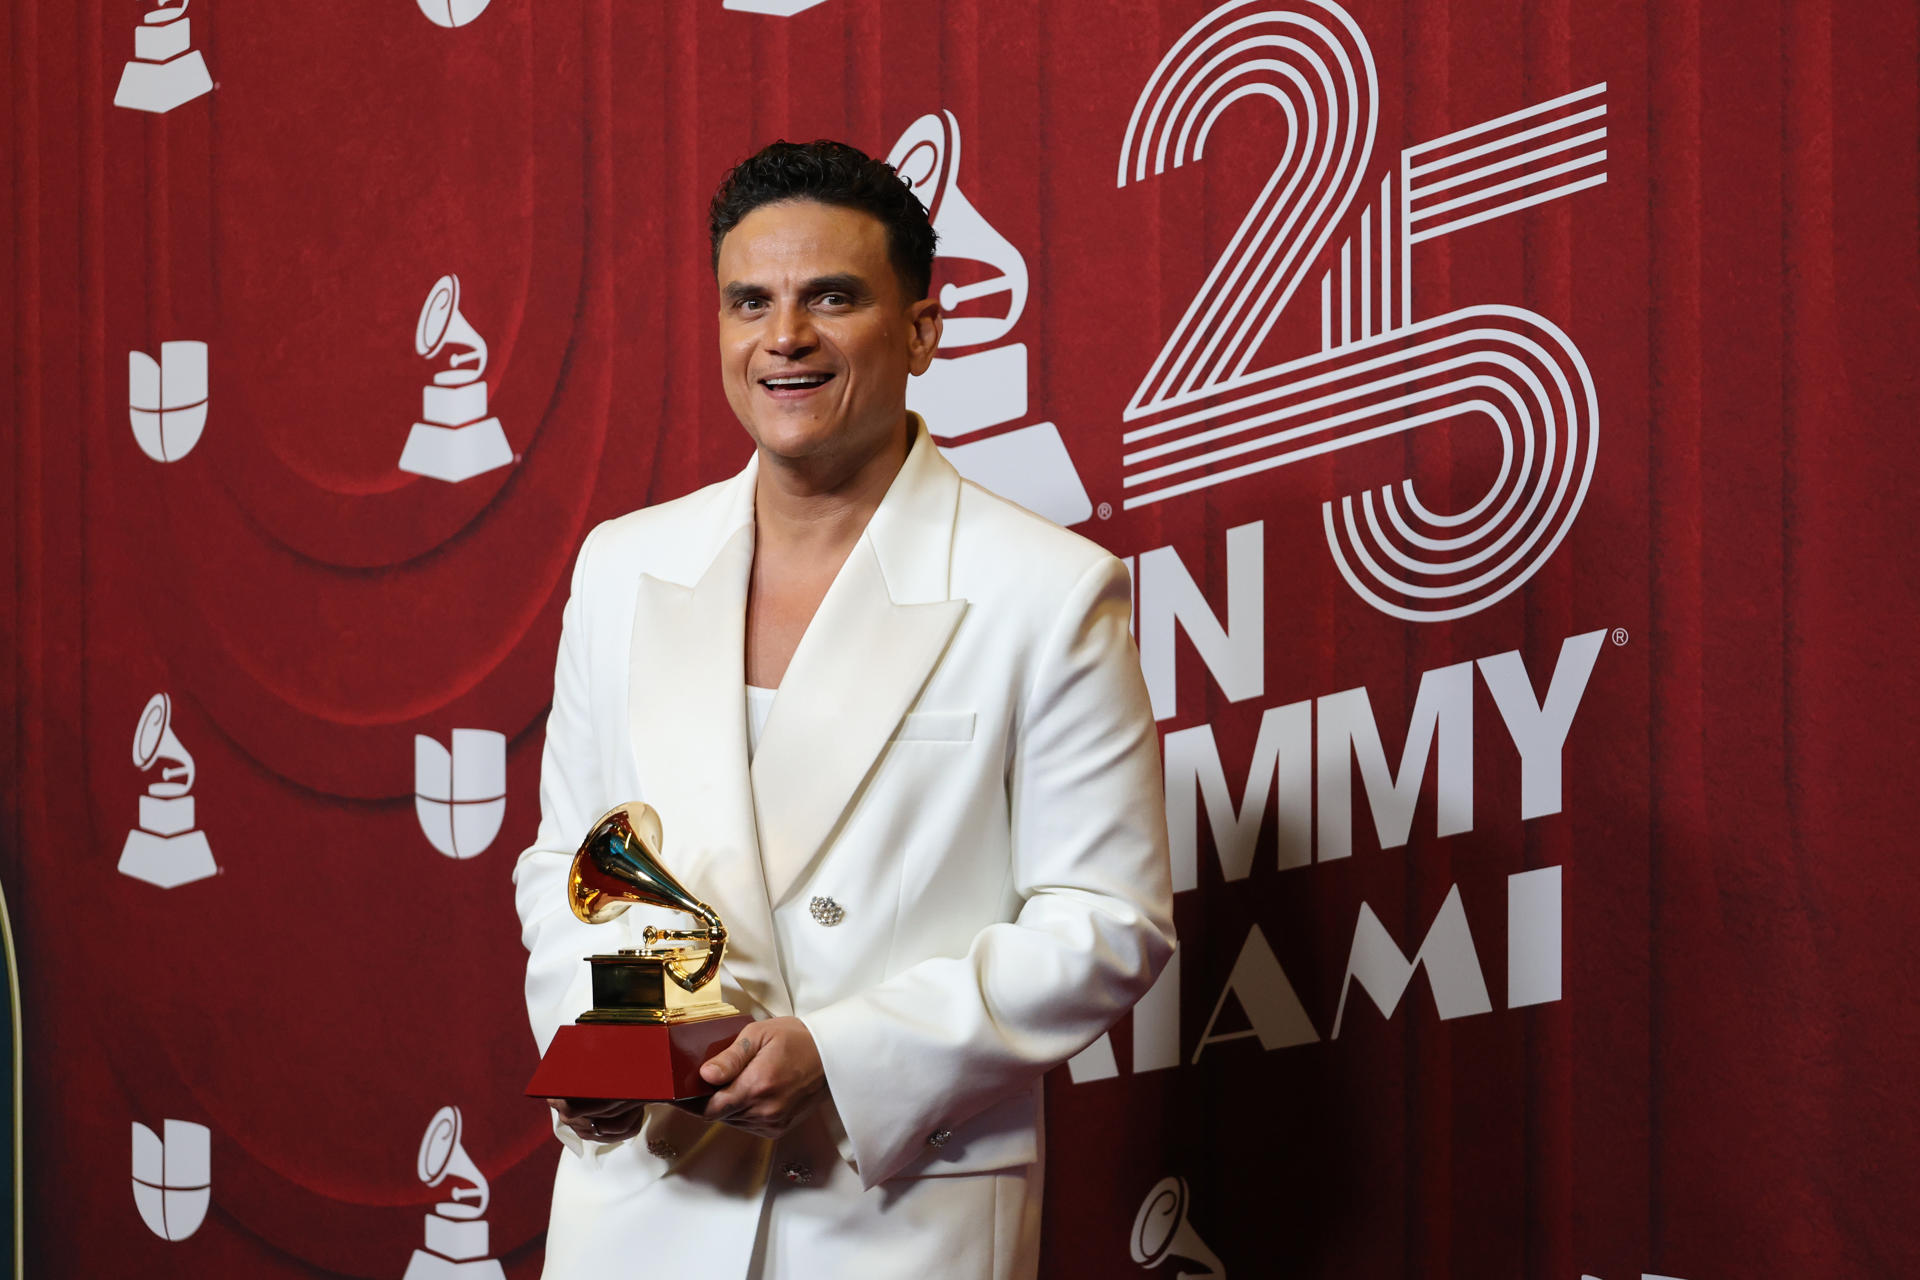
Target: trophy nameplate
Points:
(657, 1016)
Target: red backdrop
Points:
(1720, 1084)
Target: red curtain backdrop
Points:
(1721, 1084)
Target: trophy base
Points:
(431, 1266)
(167, 861)
(647, 987)
(161, 86)
(454, 454)
(657, 1017)
(633, 1062)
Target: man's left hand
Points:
(772, 1076)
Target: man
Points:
(897, 735)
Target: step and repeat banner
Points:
(1504, 406)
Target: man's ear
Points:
(923, 319)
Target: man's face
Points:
(817, 337)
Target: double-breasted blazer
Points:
(961, 756)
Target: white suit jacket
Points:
(961, 755)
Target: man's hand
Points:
(773, 1077)
(600, 1119)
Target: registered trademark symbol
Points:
(1106, 511)
(1619, 635)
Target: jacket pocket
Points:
(936, 726)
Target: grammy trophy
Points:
(657, 1014)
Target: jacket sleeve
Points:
(944, 1039)
(558, 984)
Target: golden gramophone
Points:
(657, 1015)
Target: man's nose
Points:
(793, 335)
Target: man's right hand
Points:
(600, 1119)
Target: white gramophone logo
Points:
(172, 1178)
(456, 1236)
(167, 399)
(1161, 1233)
(773, 8)
(166, 69)
(461, 794)
(165, 849)
(453, 13)
(963, 394)
(457, 440)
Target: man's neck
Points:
(816, 507)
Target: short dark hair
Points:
(831, 173)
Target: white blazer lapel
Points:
(687, 718)
(865, 657)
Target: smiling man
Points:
(897, 735)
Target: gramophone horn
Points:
(1161, 1231)
(442, 1156)
(619, 865)
(928, 158)
(153, 740)
(441, 324)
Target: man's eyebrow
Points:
(841, 282)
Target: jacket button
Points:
(826, 911)
(796, 1173)
(939, 1137)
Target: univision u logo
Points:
(172, 1177)
(460, 794)
(452, 13)
(167, 399)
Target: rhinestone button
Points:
(826, 911)
(661, 1149)
(939, 1137)
(796, 1173)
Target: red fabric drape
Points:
(1722, 1088)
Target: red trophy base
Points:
(636, 1062)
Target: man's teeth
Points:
(797, 380)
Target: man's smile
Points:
(786, 386)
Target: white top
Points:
(759, 703)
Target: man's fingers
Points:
(737, 1096)
(600, 1119)
(742, 1091)
(730, 1061)
(592, 1108)
(606, 1130)
(768, 1081)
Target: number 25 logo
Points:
(1203, 415)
